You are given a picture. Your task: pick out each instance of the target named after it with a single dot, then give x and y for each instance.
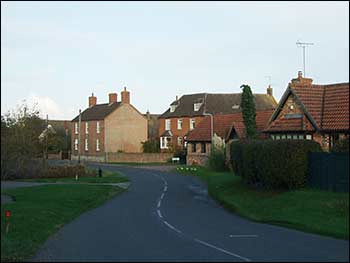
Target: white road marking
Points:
(172, 227)
(161, 197)
(222, 250)
(243, 235)
(159, 214)
(159, 203)
(165, 188)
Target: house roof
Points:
(326, 106)
(97, 112)
(225, 123)
(216, 103)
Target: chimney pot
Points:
(300, 74)
(269, 90)
(125, 96)
(112, 97)
(92, 100)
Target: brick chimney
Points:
(269, 90)
(301, 81)
(125, 96)
(112, 97)
(92, 100)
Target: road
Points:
(169, 217)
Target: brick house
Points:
(228, 127)
(310, 111)
(185, 113)
(108, 127)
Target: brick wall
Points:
(138, 157)
(197, 157)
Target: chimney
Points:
(177, 98)
(125, 96)
(269, 90)
(92, 100)
(300, 74)
(148, 115)
(112, 98)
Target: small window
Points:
(167, 125)
(97, 144)
(194, 147)
(179, 124)
(76, 128)
(172, 108)
(203, 149)
(289, 136)
(179, 141)
(301, 136)
(272, 137)
(192, 124)
(295, 136)
(86, 128)
(76, 144)
(98, 127)
(197, 106)
(283, 136)
(86, 145)
(308, 137)
(278, 137)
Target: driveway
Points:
(169, 217)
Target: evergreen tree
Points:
(248, 112)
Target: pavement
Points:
(165, 216)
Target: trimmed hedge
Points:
(273, 164)
(341, 145)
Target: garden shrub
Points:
(341, 145)
(217, 160)
(280, 164)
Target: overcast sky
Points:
(58, 53)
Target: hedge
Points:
(273, 164)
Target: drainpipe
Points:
(211, 121)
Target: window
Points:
(179, 141)
(76, 128)
(308, 137)
(194, 147)
(293, 116)
(272, 137)
(164, 142)
(98, 127)
(192, 124)
(172, 108)
(295, 136)
(86, 145)
(97, 145)
(301, 136)
(86, 128)
(197, 106)
(76, 144)
(167, 125)
(203, 150)
(179, 124)
(278, 137)
(283, 136)
(289, 136)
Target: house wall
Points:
(197, 158)
(125, 129)
(173, 126)
(92, 136)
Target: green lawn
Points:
(40, 211)
(315, 211)
(107, 177)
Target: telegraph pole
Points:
(79, 136)
(303, 45)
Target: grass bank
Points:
(40, 211)
(107, 177)
(309, 210)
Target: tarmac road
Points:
(169, 217)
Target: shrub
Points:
(341, 145)
(151, 146)
(280, 164)
(181, 153)
(216, 161)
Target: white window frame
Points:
(179, 141)
(192, 124)
(308, 137)
(76, 143)
(163, 143)
(97, 145)
(197, 106)
(86, 128)
(167, 124)
(172, 108)
(76, 128)
(179, 124)
(86, 144)
(98, 127)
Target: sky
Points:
(55, 54)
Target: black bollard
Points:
(99, 172)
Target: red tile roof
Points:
(224, 123)
(328, 106)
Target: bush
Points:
(181, 153)
(217, 159)
(341, 145)
(280, 164)
(151, 146)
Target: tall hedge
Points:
(248, 112)
(273, 164)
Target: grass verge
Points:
(308, 210)
(107, 177)
(40, 211)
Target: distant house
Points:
(228, 127)
(153, 125)
(186, 113)
(313, 112)
(108, 127)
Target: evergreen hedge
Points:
(273, 164)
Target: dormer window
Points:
(235, 107)
(172, 108)
(196, 106)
